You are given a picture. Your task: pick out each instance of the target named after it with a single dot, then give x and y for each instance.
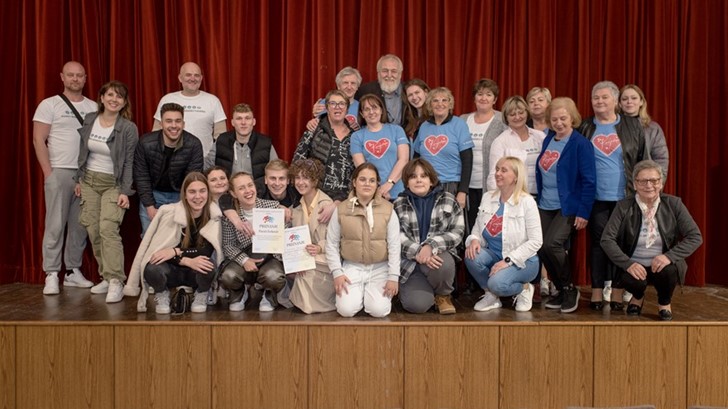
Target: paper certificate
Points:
(295, 256)
(268, 225)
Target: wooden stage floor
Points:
(25, 302)
(75, 351)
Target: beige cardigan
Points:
(166, 232)
(317, 230)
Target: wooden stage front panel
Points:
(213, 365)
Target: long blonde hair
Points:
(520, 170)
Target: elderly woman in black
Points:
(648, 238)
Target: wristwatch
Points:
(508, 261)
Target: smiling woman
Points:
(105, 166)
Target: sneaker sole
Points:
(552, 306)
(99, 291)
(77, 285)
(199, 310)
(576, 305)
(163, 312)
(51, 292)
(490, 307)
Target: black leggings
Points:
(167, 275)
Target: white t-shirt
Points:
(510, 144)
(99, 154)
(477, 134)
(63, 138)
(202, 112)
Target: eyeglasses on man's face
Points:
(646, 182)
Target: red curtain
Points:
(280, 56)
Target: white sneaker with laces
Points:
(116, 291)
(524, 300)
(76, 279)
(487, 302)
(51, 284)
(162, 303)
(265, 305)
(544, 285)
(607, 291)
(101, 288)
(199, 304)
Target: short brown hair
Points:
(243, 108)
(373, 100)
(486, 83)
(307, 168)
(409, 171)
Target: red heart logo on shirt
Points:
(548, 159)
(494, 225)
(351, 119)
(377, 148)
(434, 144)
(607, 143)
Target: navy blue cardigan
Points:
(576, 175)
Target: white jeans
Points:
(365, 291)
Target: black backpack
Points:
(181, 299)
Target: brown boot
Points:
(444, 304)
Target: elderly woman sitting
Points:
(648, 238)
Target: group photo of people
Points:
(398, 193)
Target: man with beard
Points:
(56, 141)
(389, 88)
(205, 117)
(162, 160)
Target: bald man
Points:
(204, 116)
(56, 141)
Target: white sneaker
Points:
(607, 291)
(240, 305)
(488, 301)
(265, 305)
(76, 279)
(626, 296)
(101, 288)
(544, 284)
(199, 304)
(162, 303)
(116, 291)
(524, 300)
(51, 284)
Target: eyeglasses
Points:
(645, 182)
(340, 104)
(441, 101)
(371, 109)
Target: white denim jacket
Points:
(522, 236)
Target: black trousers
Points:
(602, 268)
(665, 282)
(167, 275)
(557, 230)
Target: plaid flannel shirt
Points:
(447, 227)
(233, 241)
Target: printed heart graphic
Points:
(495, 225)
(377, 148)
(548, 159)
(351, 119)
(434, 144)
(607, 143)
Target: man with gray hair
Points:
(348, 81)
(389, 88)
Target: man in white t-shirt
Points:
(56, 142)
(204, 116)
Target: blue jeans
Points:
(506, 282)
(160, 198)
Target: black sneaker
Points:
(571, 299)
(555, 302)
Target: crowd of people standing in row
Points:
(395, 189)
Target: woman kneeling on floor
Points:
(364, 230)
(432, 227)
(181, 247)
(501, 250)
